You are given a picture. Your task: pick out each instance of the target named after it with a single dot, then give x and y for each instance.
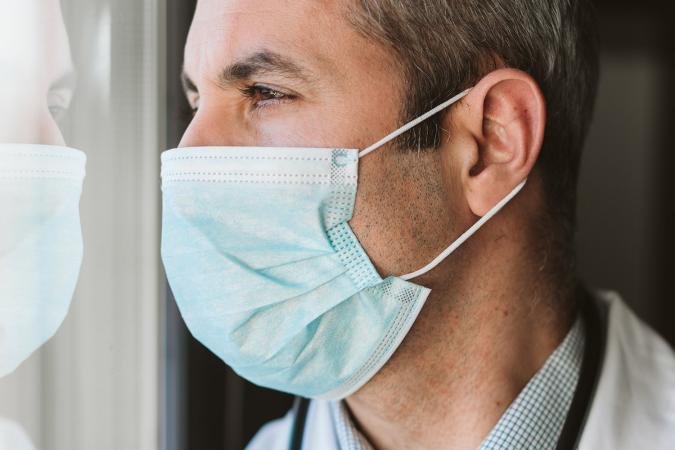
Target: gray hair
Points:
(445, 46)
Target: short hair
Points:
(445, 46)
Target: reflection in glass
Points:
(40, 187)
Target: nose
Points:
(214, 127)
(30, 125)
(50, 133)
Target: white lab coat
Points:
(633, 407)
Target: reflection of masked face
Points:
(40, 185)
(36, 71)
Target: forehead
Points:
(314, 31)
(30, 27)
(33, 39)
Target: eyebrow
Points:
(262, 62)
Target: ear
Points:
(505, 121)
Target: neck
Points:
(471, 351)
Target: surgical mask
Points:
(40, 244)
(268, 274)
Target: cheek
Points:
(304, 125)
(401, 216)
(286, 125)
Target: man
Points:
(40, 186)
(508, 351)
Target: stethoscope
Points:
(595, 323)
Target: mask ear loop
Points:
(466, 235)
(479, 223)
(413, 123)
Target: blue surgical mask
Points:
(267, 272)
(40, 244)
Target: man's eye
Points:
(264, 95)
(58, 102)
(57, 113)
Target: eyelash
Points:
(252, 91)
(271, 95)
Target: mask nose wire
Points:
(466, 235)
(413, 123)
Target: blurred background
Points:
(124, 373)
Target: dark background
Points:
(626, 216)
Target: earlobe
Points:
(511, 113)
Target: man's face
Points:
(296, 73)
(36, 71)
